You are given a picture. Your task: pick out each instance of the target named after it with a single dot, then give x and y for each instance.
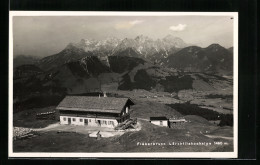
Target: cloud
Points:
(179, 27)
(128, 25)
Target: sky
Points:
(47, 35)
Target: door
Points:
(85, 121)
(99, 123)
(69, 120)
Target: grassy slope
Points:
(72, 142)
(28, 118)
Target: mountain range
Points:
(214, 59)
(169, 51)
(141, 47)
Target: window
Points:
(81, 120)
(73, 119)
(126, 110)
(103, 122)
(110, 123)
(89, 120)
(161, 122)
(64, 119)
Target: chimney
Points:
(105, 95)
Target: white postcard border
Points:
(233, 154)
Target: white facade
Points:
(163, 123)
(65, 119)
(95, 122)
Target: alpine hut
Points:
(160, 121)
(94, 111)
(176, 122)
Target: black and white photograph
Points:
(123, 84)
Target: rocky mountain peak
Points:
(141, 38)
(176, 41)
(215, 47)
(70, 46)
(169, 37)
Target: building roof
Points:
(94, 104)
(177, 120)
(158, 118)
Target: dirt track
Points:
(85, 130)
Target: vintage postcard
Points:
(123, 84)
